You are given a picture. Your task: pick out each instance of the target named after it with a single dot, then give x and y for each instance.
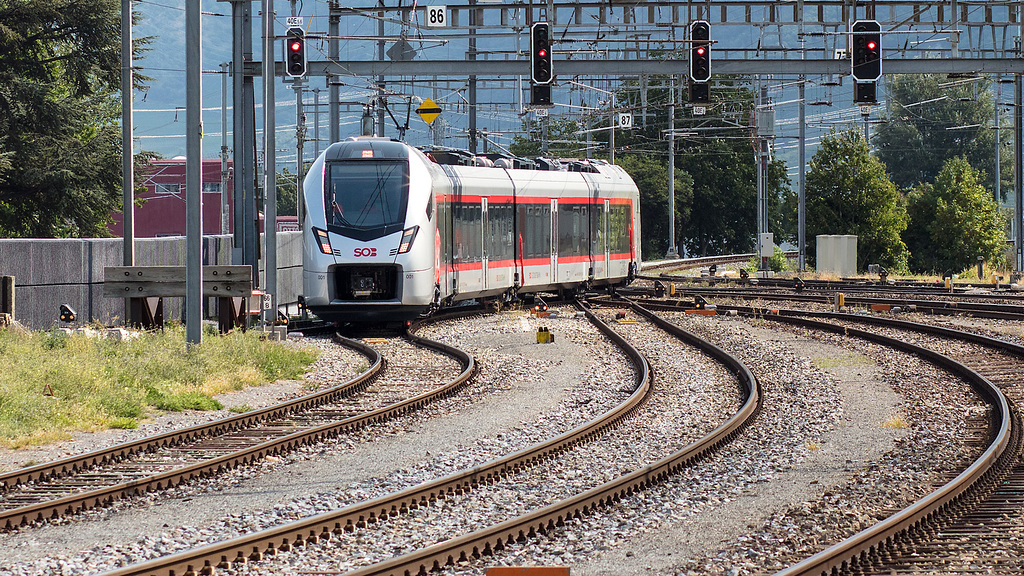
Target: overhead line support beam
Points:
(491, 68)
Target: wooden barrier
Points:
(147, 286)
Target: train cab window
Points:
(366, 200)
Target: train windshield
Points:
(366, 200)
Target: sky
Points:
(160, 116)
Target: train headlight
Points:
(323, 241)
(407, 237)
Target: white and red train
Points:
(392, 231)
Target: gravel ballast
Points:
(826, 403)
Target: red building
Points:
(163, 212)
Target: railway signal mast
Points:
(866, 60)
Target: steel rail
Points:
(982, 475)
(168, 479)
(496, 538)
(255, 546)
(979, 477)
(937, 307)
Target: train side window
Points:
(499, 232)
(468, 232)
(535, 229)
(572, 230)
(597, 221)
(619, 229)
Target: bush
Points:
(777, 263)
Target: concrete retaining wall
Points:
(51, 272)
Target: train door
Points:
(605, 252)
(484, 235)
(554, 240)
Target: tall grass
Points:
(52, 384)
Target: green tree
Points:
(286, 195)
(932, 120)
(723, 219)
(954, 220)
(848, 192)
(651, 177)
(59, 117)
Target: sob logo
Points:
(364, 252)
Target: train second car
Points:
(391, 232)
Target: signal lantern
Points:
(541, 71)
(295, 62)
(700, 51)
(867, 51)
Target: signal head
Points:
(541, 71)
(295, 63)
(700, 51)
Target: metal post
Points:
(672, 251)
(316, 123)
(246, 240)
(193, 174)
(611, 132)
(381, 96)
(1018, 174)
(225, 215)
(471, 55)
(997, 192)
(300, 140)
(544, 135)
(269, 163)
(333, 115)
(127, 147)
(801, 191)
(801, 209)
(437, 127)
(759, 155)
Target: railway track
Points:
(337, 524)
(99, 478)
(982, 535)
(991, 306)
(973, 523)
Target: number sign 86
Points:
(436, 16)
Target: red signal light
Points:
(701, 51)
(542, 53)
(872, 45)
(296, 46)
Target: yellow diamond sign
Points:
(429, 111)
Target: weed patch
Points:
(52, 384)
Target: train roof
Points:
(389, 149)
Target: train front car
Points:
(369, 248)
